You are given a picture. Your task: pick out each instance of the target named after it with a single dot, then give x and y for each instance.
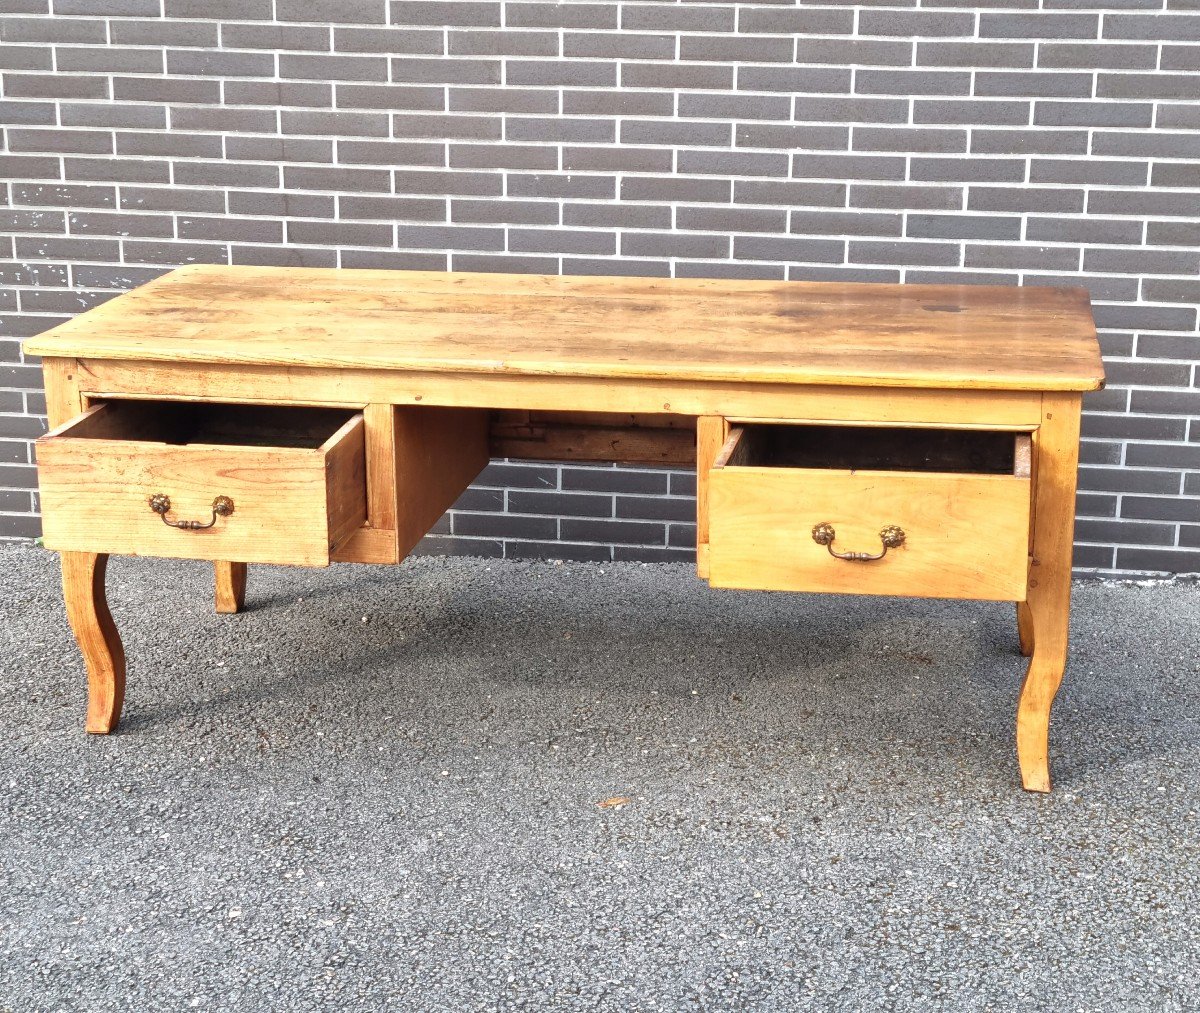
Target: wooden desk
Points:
(874, 439)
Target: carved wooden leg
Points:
(1025, 628)
(1049, 598)
(96, 634)
(230, 586)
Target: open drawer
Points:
(925, 512)
(252, 483)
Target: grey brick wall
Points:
(1051, 142)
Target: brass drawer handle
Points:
(892, 537)
(160, 503)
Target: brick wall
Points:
(1015, 142)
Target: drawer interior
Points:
(877, 448)
(179, 423)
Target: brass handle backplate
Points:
(891, 536)
(160, 503)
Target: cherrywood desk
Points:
(872, 439)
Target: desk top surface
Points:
(928, 336)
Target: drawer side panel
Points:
(346, 483)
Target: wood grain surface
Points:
(930, 336)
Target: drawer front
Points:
(290, 505)
(965, 536)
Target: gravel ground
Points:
(378, 787)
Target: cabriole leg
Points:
(96, 634)
(1050, 613)
(1047, 609)
(230, 586)
(1025, 628)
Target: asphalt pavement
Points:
(468, 785)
